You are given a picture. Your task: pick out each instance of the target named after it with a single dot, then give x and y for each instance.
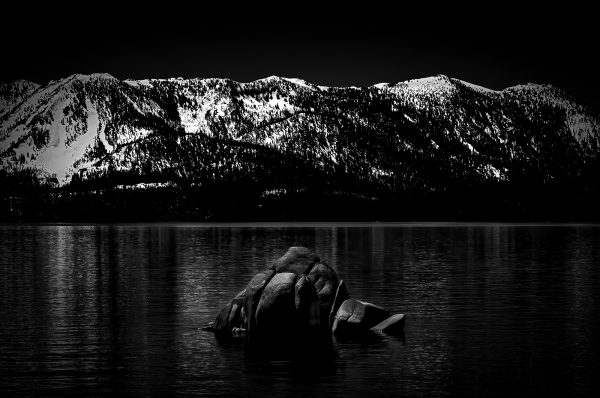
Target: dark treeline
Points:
(26, 199)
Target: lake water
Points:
(493, 310)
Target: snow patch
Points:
(377, 172)
(274, 138)
(279, 102)
(194, 120)
(582, 127)
(146, 185)
(429, 84)
(492, 171)
(102, 136)
(138, 83)
(298, 82)
(87, 78)
(57, 157)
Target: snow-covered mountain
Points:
(418, 133)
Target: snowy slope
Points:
(90, 125)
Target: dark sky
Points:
(497, 46)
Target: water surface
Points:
(116, 309)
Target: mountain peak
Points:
(92, 76)
(299, 82)
(438, 86)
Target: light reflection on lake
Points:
(493, 309)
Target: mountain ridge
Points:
(296, 80)
(420, 135)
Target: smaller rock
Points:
(355, 317)
(391, 325)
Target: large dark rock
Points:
(391, 325)
(341, 295)
(254, 291)
(355, 317)
(276, 311)
(324, 278)
(298, 260)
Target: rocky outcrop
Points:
(355, 316)
(299, 297)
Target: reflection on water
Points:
(493, 309)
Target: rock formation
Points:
(298, 297)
